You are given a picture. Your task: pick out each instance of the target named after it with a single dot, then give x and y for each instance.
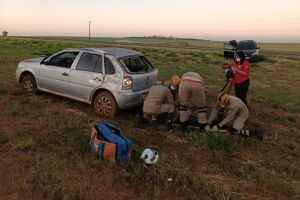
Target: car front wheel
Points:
(105, 105)
(29, 85)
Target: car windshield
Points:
(246, 45)
(136, 64)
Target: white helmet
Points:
(150, 156)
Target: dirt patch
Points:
(5, 195)
(10, 123)
(101, 185)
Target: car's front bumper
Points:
(129, 99)
(18, 73)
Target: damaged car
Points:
(109, 79)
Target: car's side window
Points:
(65, 59)
(98, 67)
(109, 67)
(90, 62)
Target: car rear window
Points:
(136, 64)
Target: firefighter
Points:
(235, 113)
(160, 101)
(191, 97)
(173, 85)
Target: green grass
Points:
(4, 138)
(220, 142)
(47, 154)
(25, 145)
(291, 47)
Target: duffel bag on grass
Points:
(108, 142)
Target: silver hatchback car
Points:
(108, 78)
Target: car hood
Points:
(248, 53)
(34, 59)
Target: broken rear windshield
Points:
(136, 64)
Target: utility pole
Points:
(90, 30)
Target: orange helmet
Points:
(175, 81)
(223, 99)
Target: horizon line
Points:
(149, 37)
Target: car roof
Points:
(116, 52)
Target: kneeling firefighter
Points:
(234, 111)
(191, 97)
(160, 101)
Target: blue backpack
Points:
(113, 135)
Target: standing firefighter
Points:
(235, 113)
(160, 101)
(191, 98)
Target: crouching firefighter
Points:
(234, 112)
(159, 102)
(191, 97)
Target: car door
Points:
(54, 73)
(229, 49)
(86, 75)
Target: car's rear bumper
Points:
(129, 99)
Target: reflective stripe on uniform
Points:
(191, 79)
(183, 108)
(202, 110)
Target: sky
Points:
(261, 20)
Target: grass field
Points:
(44, 152)
(284, 47)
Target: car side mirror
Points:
(45, 61)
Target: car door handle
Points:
(96, 79)
(65, 74)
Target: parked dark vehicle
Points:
(249, 47)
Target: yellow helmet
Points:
(175, 81)
(223, 99)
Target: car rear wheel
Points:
(29, 85)
(105, 105)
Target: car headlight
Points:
(255, 53)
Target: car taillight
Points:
(127, 82)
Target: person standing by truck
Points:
(241, 70)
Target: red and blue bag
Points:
(107, 142)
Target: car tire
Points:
(29, 85)
(105, 105)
